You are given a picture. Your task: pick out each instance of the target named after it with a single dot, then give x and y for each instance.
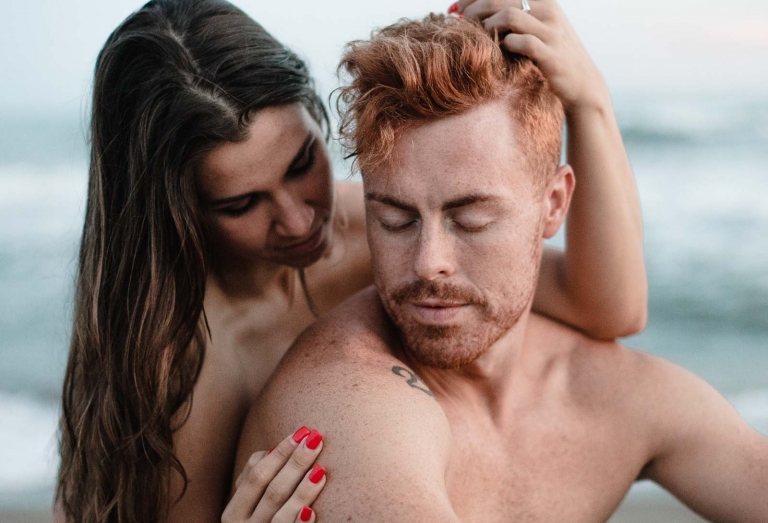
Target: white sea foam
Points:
(27, 444)
(42, 202)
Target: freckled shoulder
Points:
(339, 379)
(355, 333)
(632, 391)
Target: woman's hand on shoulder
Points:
(279, 486)
(547, 37)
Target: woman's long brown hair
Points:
(176, 79)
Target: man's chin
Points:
(444, 347)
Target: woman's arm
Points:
(599, 283)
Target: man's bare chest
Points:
(541, 470)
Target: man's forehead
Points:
(474, 152)
(441, 187)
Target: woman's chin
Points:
(306, 259)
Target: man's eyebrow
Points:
(296, 159)
(469, 200)
(462, 201)
(389, 200)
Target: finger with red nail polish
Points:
(306, 515)
(270, 481)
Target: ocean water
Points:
(701, 166)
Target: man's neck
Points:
(489, 379)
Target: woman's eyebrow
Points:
(296, 159)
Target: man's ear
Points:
(557, 199)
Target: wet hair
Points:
(173, 81)
(416, 71)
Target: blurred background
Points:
(690, 86)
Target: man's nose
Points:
(293, 216)
(434, 253)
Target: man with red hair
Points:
(443, 396)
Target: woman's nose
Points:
(294, 216)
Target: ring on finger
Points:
(526, 6)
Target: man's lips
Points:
(441, 304)
(436, 312)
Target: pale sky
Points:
(48, 47)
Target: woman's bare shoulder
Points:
(346, 269)
(206, 441)
(351, 202)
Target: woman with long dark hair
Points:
(213, 236)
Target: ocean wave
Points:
(683, 121)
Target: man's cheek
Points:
(385, 263)
(388, 251)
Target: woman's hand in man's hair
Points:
(545, 35)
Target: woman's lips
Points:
(305, 246)
(436, 313)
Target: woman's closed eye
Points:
(243, 206)
(300, 167)
(304, 163)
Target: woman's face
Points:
(270, 197)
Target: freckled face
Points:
(270, 197)
(455, 229)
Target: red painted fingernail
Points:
(317, 474)
(454, 8)
(306, 514)
(300, 434)
(313, 440)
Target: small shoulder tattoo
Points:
(413, 380)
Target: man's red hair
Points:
(414, 72)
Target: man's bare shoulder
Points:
(342, 379)
(341, 375)
(646, 394)
(348, 350)
(356, 332)
(628, 375)
(606, 374)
